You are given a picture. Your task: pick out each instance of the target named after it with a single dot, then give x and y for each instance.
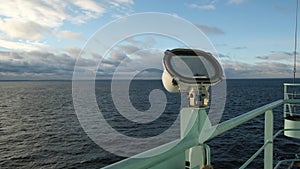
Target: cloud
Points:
(277, 56)
(23, 29)
(44, 65)
(129, 57)
(69, 35)
(129, 48)
(26, 46)
(146, 64)
(223, 55)
(134, 56)
(73, 51)
(89, 5)
(118, 56)
(278, 64)
(35, 11)
(210, 30)
(109, 64)
(265, 69)
(34, 20)
(125, 1)
(50, 14)
(5, 55)
(240, 47)
(236, 1)
(150, 73)
(210, 6)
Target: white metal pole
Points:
(268, 152)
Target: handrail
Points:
(186, 143)
(291, 84)
(291, 101)
(232, 123)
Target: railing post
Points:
(268, 152)
(285, 96)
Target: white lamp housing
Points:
(192, 71)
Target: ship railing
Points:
(175, 156)
(290, 92)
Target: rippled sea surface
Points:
(39, 127)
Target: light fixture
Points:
(192, 71)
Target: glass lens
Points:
(192, 66)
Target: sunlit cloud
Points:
(50, 14)
(88, 5)
(66, 34)
(44, 38)
(15, 28)
(46, 13)
(73, 51)
(34, 20)
(22, 46)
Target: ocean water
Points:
(39, 127)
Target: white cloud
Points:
(236, 1)
(211, 4)
(204, 7)
(73, 51)
(278, 56)
(265, 69)
(89, 5)
(19, 46)
(32, 20)
(23, 29)
(69, 35)
(50, 13)
(124, 1)
(89, 10)
(46, 13)
(54, 13)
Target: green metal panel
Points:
(176, 162)
(194, 123)
(189, 122)
(146, 160)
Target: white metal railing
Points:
(290, 108)
(192, 139)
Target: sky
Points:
(42, 40)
